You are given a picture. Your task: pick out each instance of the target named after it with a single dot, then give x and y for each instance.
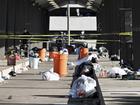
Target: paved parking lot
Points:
(28, 88)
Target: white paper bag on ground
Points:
(116, 70)
(50, 76)
(83, 87)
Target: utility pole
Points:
(68, 21)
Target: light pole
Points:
(68, 21)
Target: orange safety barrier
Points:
(83, 52)
(60, 64)
(42, 54)
(53, 54)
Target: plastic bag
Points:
(71, 65)
(85, 68)
(1, 79)
(116, 70)
(97, 67)
(83, 87)
(6, 77)
(50, 75)
(87, 58)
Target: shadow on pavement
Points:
(34, 88)
(123, 100)
(53, 96)
(28, 104)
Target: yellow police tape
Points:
(50, 36)
(126, 34)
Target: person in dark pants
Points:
(26, 32)
(25, 42)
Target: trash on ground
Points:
(103, 74)
(137, 75)
(116, 72)
(83, 87)
(50, 75)
(87, 58)
(71, 65)
(115, 57)
(12, 73)
(1, 79)
(6, 77)
(97, 68)
(86, 68)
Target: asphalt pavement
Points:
(28, 88)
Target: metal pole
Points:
(15, 24)
(6, 26)
(68, 21)
(15, 36)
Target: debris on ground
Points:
(50, 75)
(71, 65)
(83, 87)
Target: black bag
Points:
(12, 73)
(86, 68)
